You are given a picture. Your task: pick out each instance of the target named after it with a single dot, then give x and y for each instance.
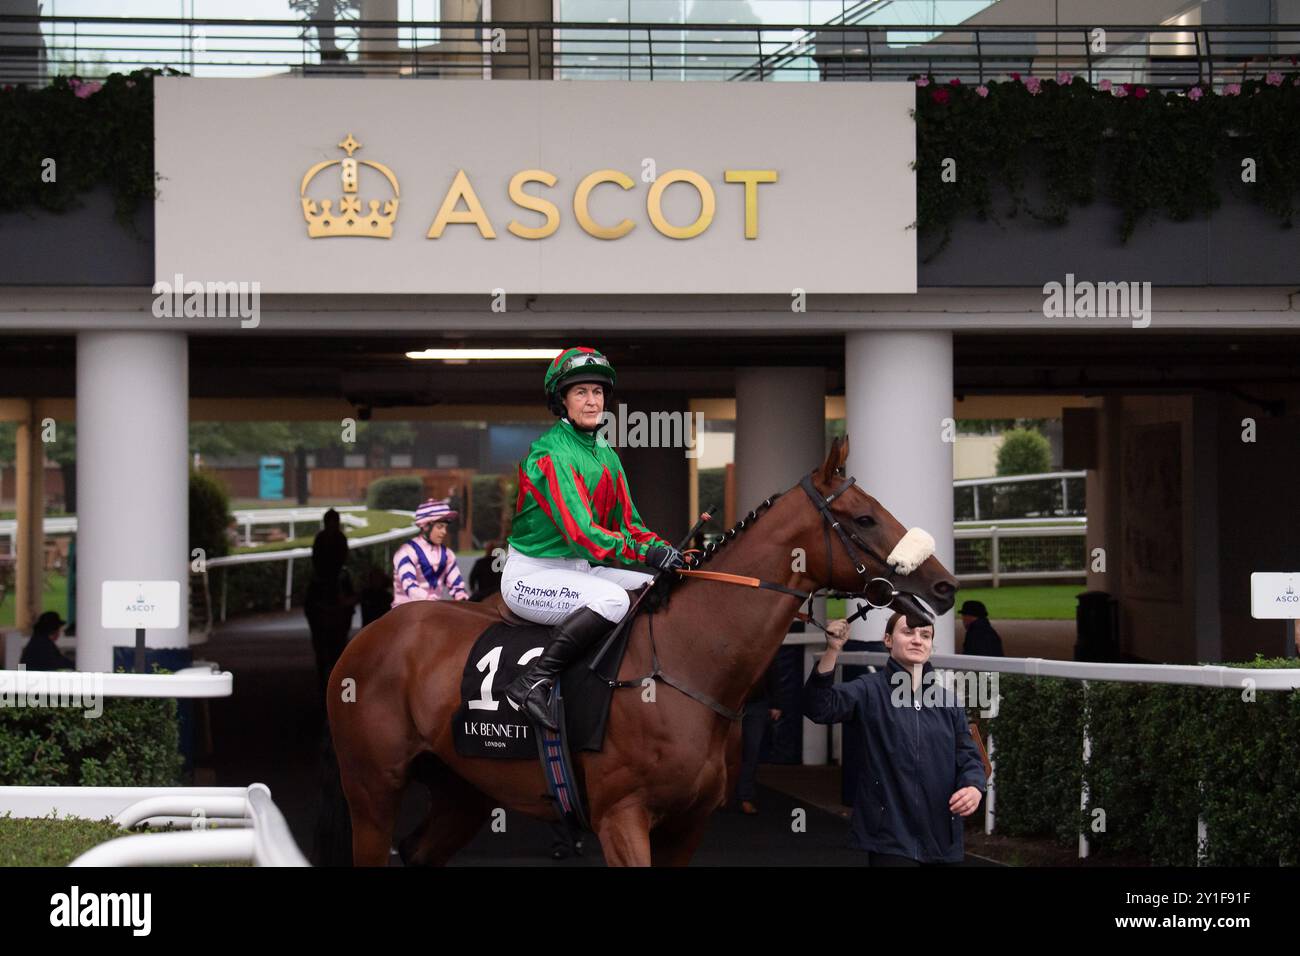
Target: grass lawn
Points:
(1035, 602)
(378, 522)
(55, 598)
(51, 842)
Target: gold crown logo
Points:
(348, 219)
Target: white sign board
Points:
(141, 604)
(346, 186)
(1275, 594)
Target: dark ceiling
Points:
(374, 369)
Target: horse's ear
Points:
(834, 459)
(844, 448)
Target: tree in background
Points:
(1024, 451)
(209, 514)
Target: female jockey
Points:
(574, 513)
(424, 564)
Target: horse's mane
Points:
(658, 596)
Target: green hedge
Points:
(400, 493)
(209, 514)
(1161, 756)
(135, 742)
(259, 587)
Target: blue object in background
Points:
(270, 478)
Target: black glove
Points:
(664, 557)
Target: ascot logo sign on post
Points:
(138, 605)
(1276, 596)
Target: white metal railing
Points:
(1187, 675)
(251, 517)
(1064, 477)
(246, 518)
(288, 555)
(249, 827)
(200, 680)
(997, 533)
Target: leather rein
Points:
(848, 538)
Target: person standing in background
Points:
(329, 600)
(485, 576)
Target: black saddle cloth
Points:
(487, 725)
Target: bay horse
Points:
(663, 770)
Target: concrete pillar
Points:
(897, 396)
(780, 436)
(780, 430)
(132, 477)
(29, 542)
(658, 476)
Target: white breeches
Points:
(547, 590)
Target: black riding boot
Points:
(530, 690)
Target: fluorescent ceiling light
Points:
(461, 355)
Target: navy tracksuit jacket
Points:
(918, 756)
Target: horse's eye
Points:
(865, 520)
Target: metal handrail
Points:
(849, 47)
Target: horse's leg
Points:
(624, 832)
(457, 811)
(676, 845)
(373, 806)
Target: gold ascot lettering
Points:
(462, 191)
(751, 178)
(655, 208)
(589, 225)
(534, 203)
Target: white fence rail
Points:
(998, 534)
(201, 680)
(249, 827)
(288, 556)
(1187, 675)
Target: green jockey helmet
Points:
(574, 366)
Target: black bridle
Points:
(853, 547)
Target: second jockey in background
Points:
(424, 565)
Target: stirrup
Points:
(537, 709)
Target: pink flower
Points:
(954, 82)
(1296, 81)
(1194, 93)
(1034, 85)
(1273, 79)
(1119, 90)
(1016, 77)
(1232, 89)
(1064, 78)
(1104, 86)
(940, 96)
(88, 89)
(922, 81)
(1140, 92)
(982, 91)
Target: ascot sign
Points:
(376, 222)
(533, 187)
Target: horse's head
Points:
(871, 543)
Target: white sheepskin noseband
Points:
(911, 551)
